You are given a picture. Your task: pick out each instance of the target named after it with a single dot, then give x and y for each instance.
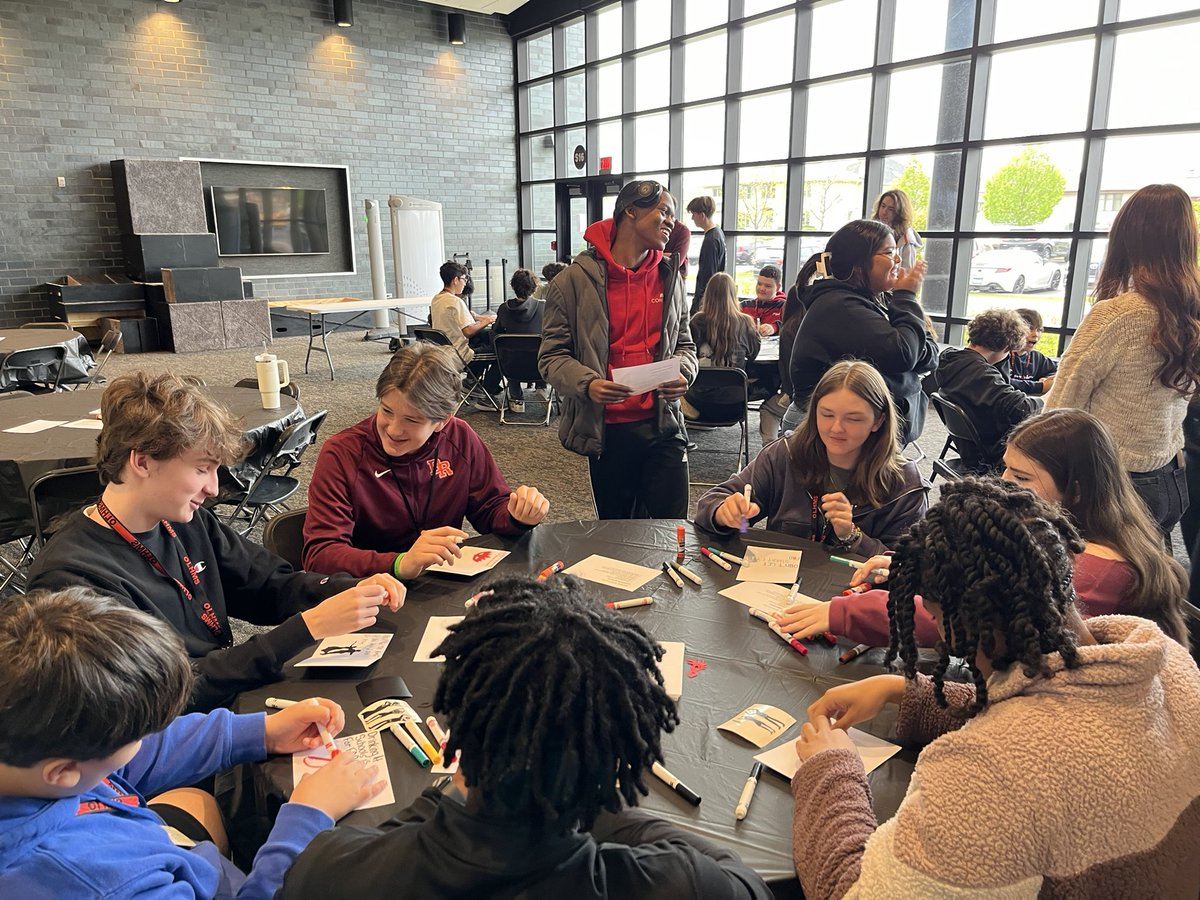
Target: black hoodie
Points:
(517, 316)
(987, 397)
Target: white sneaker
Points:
(517, 406)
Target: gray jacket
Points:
(575, 341)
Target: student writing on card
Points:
(390, 493)
(838, 478)
(150, 542)
(1069, 767)
(556, 708)
(89, 695)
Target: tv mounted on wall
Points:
(270, 221)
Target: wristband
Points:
(396, 564)
(852, 538)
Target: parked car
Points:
(745, 251)
(1095, 264)
(1013, 271)
(768, 255)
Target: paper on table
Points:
(671, 666)
(35, 426)
(770, 564)
(368, 747)
(759, 724)
(648, 376)
(613, 572)
(767, 597)
(473, 561)
(435, 632)
(348, 650)
(874, 752)
(93, 424)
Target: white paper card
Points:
(671, 666)
(770, 564)
(759, 724)
(767, 597)
(435, 632)
(348, 650)
(873, 750)
(93, 424)
(473, 561)
(35, 426)
(613, 572)
(368, 747)
(647, 377)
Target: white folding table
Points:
(323, 308)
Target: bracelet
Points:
(396, 564)
(853, 538)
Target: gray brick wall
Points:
(83, 82)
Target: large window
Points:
(1017, 137)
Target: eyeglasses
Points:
(890, 254)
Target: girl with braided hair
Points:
(1067, 458)
(1070, 767)
(556, 706)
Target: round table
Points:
(25, 457)
(75, 366)
(744, 663)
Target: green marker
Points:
(845, 562)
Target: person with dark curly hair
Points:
(556, 707)
(549, 271)
(520, 314)
(970, 378)
(1069, 767)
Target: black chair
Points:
(517, 354)
(473, 380)
(38, 370)
(59, 493)
(108, 346)
(290, 388)
(268, 490)
(284, 536)
(728, 386)
(962, 437)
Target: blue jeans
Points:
(1165, 492)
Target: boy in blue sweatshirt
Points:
(89, 694)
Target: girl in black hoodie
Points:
(520, 315)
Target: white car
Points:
(1013, 271)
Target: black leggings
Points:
(641, 474)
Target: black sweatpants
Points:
(642, 473)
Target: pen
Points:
(729, 556)
(674, 575)
(436, 730)
(410, 745)
(744, 525)
(743, 804)
(326, 737)
(626, 604)
(550, 570)
(713, 558)
(675, 784)
(845, 562)
(686, 572)
(853, 653)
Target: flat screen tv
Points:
(270, 221)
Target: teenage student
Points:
(838, 478)
(90, 691)
(391, 492)
(149, 542)
(712, 250)
(894, 209)
(1070, 767)
(555, 708)
(1029, 369)
(620, 304)
(724, 336)
(1135, 359)
(1067, 458)
(520, 314)
(468, 331)
(865, 306)
(766, 309)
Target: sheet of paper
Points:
(767, 597)
(873, 750)
(35, 426)
(671, 666)
(348, 650)
(473, 561)
(368, 747)
(759, 724)
(647, 377)
(93, 424)
(435, 633)
(613, 572)
(770, 564)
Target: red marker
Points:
(551, 570)
(857, 589)
(713, 558)
(829, 637)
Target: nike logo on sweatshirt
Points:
(381, 474)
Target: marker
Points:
(626, 604)
(686, 573)
(879, 573)
(743, 804)
(845, 562)
(436, 730)
(744, 525)
(410, 745)
(857, 589)
(551, 570)
(760, 614)
(713, 558)
(674, 576)
(829, 637)
(774, 626)
(853, 653)
(675, 784)
(413, 723)
(326, 737)
(276, 703)
(680, 534)
(729, 556)
(474, 599)
(793, 592)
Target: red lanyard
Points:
(94, 806)
(819, 526)
(205, 612)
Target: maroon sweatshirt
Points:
(766, 312)
(365, 507)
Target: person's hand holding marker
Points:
(433, 546)
(874, 571)
(527, 505)
(839, 514)
(298, 725)
(733, 508)
(805, 619)
(606, 392)
(673, 390)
